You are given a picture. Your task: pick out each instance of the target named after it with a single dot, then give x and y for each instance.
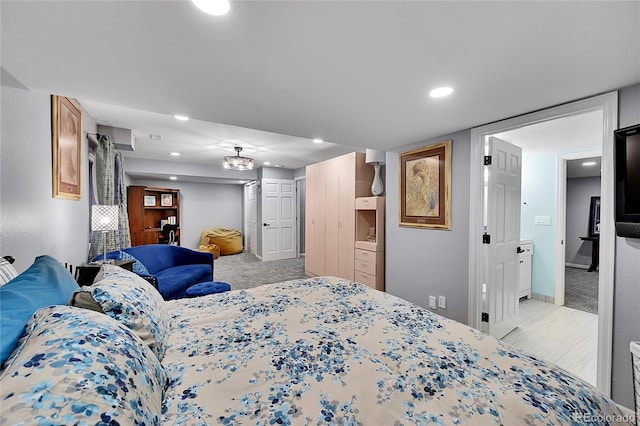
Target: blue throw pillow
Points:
(46, 282)
(138, 267)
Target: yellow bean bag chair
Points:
(229, 240)
(211, 248)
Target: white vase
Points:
(377, 188)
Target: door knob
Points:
(265, 224)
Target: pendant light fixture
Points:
(237, 162)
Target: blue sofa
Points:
(172, 269)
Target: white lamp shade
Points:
(374, 157)
(104, 217)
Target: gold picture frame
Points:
(425, 187)
(66, 120)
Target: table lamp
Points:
(377, 158)
(104, 218)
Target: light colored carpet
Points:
(244, 270)
(581, 289)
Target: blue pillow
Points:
(46, 282)
(138, 267)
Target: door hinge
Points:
(485, 317)
(487, 160)
(486, 239)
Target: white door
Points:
(278, 219)
(503, 227)
(251, 214)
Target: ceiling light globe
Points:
(213, 7)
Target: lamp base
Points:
(377, 188)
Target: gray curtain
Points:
(120, 199)
(108, 162)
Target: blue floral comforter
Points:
(331, 351)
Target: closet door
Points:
(331, 168)
(314, 257)
(346, 216)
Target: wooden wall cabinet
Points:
(332, 188)
(369, 244)
(149, 206)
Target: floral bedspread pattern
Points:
(330, 351)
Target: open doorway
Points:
(583, 192)
(606, 105)
(548, 328)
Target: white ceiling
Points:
(355, 73)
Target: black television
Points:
(627, 149)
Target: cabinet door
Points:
(332, 241)
(346, 216)
(315, 222)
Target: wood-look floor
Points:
(564, 336)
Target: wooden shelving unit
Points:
(369, 244)
(145, 217)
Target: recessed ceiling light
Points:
(279, 165)
(589, 163)
(441, 92)
(181, 117)
(213, 7)
(317, 140)
(173, 178)
(267, 163)
(175, 154)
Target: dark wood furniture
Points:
(86, 273)
(148, 209)
(595, 252)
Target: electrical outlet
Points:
(432, 302)
(442, 302)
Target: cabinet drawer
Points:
(366, 279)
(365, 203)
(366, 267)
(365, 255)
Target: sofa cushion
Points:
(77, 366)
(131, 300)
(155, 258)
(174, 282)
(45, 282)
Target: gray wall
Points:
(626, 299)
(423, 262)
(579, 193)
(32, 222)
(204, 205)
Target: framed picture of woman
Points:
(425, 187)
(66, 126)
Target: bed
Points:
(312, 351)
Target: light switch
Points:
(543, 220)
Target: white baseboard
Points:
(575, 265)
(543, 298)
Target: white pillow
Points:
(7, 271)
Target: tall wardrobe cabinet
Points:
(332, 188)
